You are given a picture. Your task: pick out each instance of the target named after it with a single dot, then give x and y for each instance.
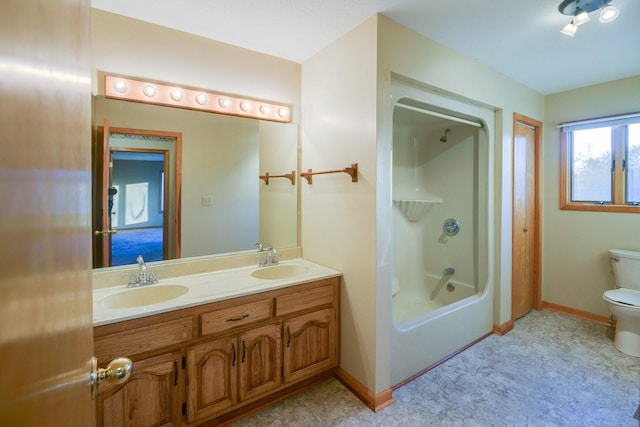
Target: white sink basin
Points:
(279, 272)
(152, 294)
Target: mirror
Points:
(224, 206)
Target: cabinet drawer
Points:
(302, 300)
(141, 340)
(228, 318)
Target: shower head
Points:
(443, 138)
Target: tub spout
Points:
(448, 271)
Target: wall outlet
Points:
(206, 201)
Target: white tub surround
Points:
(205, 288)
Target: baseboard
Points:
(375, 402)
(581, 314)
(504, 328)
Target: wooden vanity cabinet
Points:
(310, 331)
(310, 345)
(233, 369)
(151, 397)
(214, 363)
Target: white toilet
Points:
(624, 301)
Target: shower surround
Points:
(440, 220)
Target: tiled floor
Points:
(551, 370)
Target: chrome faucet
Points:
(143, 278)
(142, 267)
(270, 258)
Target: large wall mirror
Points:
(222, 207)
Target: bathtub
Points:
(433, 294)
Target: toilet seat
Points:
(624, 296)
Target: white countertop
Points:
(205, 288)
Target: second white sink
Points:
(279, 272)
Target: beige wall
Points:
(338, 216)
(130, 47)
(278, 200)
(575, 269)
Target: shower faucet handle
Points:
(448, 271)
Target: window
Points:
(600, 169)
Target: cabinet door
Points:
(260, 361)
(311, 344)
(212, 370)
(151, 396)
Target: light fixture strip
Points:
(193, 99)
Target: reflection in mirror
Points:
(224, 206)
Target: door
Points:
(212, 374)
(45, 249)
(126, 181)
(260, 361)
(526, 216)
(101, 211)
(311, 344)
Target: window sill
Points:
(599, 208)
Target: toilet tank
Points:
(626, 268)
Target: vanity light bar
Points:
(129, 89)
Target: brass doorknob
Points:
(117, 371)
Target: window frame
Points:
(618, 152)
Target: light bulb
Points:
(609, 13)
(120, 86)
(264, 109)
(149, 91)
(177, 95)
(569, 29)
(244, 106)
(224, 102)
(283, 112)
(581, 18)
(202, 99)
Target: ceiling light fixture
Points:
(167, 94)
(570, 29)
(581, 17)
(580, 9)
(609, 13)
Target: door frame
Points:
(102, 169)
(537, 234)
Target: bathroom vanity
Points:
(219, 351)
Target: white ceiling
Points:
(519, 38)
